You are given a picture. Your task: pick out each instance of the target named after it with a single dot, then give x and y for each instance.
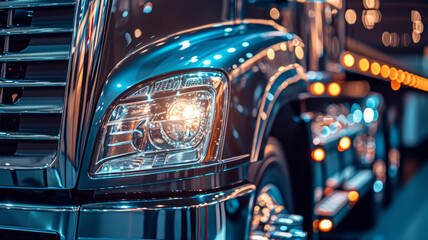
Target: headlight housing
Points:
(166, 123)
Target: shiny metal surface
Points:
(34, 3)
(34, 30)
(89, 25)
(217, 215)
(22, 135)
(38, 105)
(30, 83)
(35, 56)
(270, 219)
(32, 107)
(40, 218)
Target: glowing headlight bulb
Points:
(183, 121)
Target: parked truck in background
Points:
(233, 119)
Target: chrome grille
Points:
(35, 38)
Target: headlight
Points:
(161, 124)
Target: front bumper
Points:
(218, 215)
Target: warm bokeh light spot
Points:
(350, 16)
(344, 144)
(325, 225)
(318, 154)
(393, 75)
(375, 68)
(334, 89)
(274, 13)
(400, 76)
(328, 191)
(407, 78)
(270, 53)
(315, 225)
(299, 52)
(317, 88)
(353, 196)
(385, 71)
(364, 64)
(412, 80)
(395, 85)
(348, 60)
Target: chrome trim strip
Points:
(31, 108)
(35, 56)
(194, 201)
(30, 83)
(236, 158)
(31, 207)
(90, 24)
(58, 219)
(27, 136)
(35, 3)
(34, 30)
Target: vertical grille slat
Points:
(35, 39)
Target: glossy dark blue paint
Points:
(237, 48)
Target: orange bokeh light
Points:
(375, 68)
(325, 225)
(364, 65)
(384, 71)
(348, 60)
(334, 89)
(317, 88)
(401, 76)
(407, 78)
(353, 196)
(318, 154)
(395, 85)
(344, 144)
(412, 80)
(393, 75)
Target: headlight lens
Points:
(166, 123)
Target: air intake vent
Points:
(35, 38)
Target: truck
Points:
(232, 119)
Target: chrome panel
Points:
(26, 162)
(34, 30)
(25, 135)
(85, 52)
(30, 83)
(35, 56)
(34, 3)
(40, 218)
(204, 216)
(33, 107)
